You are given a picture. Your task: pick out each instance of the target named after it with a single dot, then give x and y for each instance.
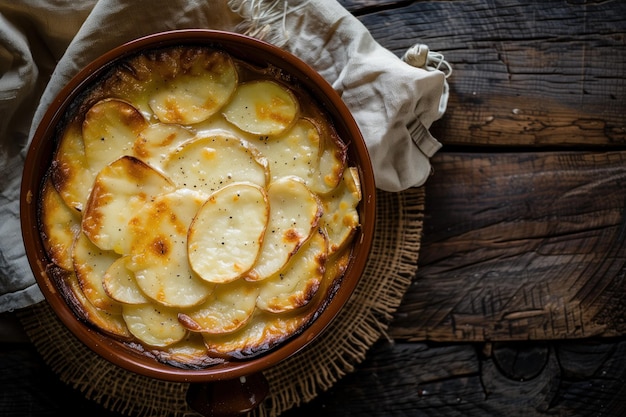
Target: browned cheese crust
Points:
(198, 208)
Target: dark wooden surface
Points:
(519, 304)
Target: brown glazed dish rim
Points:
(40, 153)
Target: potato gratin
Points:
(198, 208)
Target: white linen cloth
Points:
(43, 43)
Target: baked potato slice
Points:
(332, 163)
(90, 265)
(294, 214)
(294, 152)
(198, 91)
(208, 163)
(295, 285)
(153, 324)
(225, 236)
(109, 130)
(109, 322)
(120, 189)
(341, 218)
(262, 107)
(59, 227)
(189, 353)
(158, 250)
(70, 172)
(227, 309)
(119, 283)
(263, 332)
(157, 140)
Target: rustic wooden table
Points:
(519, 304)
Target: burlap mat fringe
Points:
(297, 380)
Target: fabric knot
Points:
(420, 56)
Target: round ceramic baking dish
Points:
(208, 383)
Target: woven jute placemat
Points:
(297, 380)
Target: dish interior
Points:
(336, 256)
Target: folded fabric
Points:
(33, 37)
(394, 103)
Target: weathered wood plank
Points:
(525, 73)
(30, 389)
(572, 379)
(512, 379)
(520, 246)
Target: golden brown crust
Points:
(167, 117)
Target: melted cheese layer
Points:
(199, 206)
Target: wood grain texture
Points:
(523, 234)
(462, 380)
(520, 246)
(525, 73)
